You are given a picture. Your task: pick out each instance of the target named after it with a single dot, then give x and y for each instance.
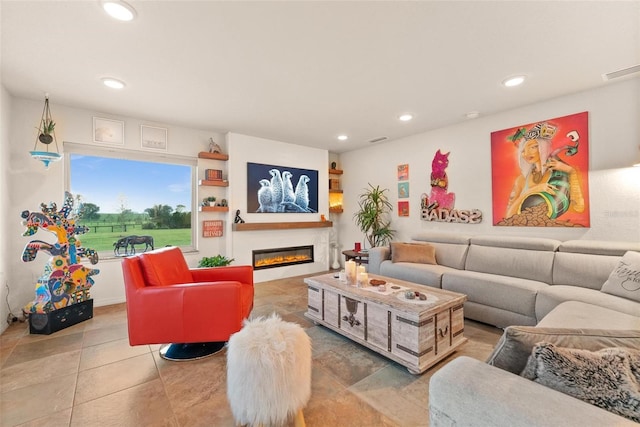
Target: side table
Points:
(360, 257)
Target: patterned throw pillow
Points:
(624, 280)
(608, 378)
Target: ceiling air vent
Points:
(378, 139)
(621, 73)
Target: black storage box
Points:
(48, 323)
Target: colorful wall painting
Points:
(403, 208)
(439, 204)
(403, 190)
(403, 172)
(540, 173)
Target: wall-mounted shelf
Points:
(214, 209)
(335, 194)
(335, 210)
(335, 172)
(213, 156)
(252, 226)
(215, 183)
(335, 191)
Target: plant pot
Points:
(45, 138)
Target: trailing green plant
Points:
(373, 216)
(215, 261)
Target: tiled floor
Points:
(88, 375)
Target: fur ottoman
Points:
(268, 372)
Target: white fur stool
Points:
(269, 372)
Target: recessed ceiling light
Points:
(405, 117)
(113, 83)
(119, 10)
(513, 81)
(472, 115)
(343, 137)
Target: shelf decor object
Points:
(46, 135)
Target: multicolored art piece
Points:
(540, 173)
(65, 281)
(439, 205)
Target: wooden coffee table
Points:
(415, 333)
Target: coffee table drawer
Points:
(331, 307)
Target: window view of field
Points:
(129, 205)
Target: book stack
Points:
(213, 174)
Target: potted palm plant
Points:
(372, 216)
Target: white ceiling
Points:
(304, 72)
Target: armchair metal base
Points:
(190, 351)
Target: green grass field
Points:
(104, 240)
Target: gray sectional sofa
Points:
(513, 280)
(510, 281)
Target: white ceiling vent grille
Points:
(621, 73)
(378, 139)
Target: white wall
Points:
(5, 119)
(243, 149)
(614, 124)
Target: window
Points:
(126, 194)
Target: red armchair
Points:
(195, 309)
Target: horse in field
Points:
(129, 242)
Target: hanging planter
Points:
(46, 135)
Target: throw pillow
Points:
(624, 280)
(166, 266)
(515, 345)
(420, 253)
(608, 378)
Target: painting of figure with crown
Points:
(540, 173)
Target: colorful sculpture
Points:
(65, 281)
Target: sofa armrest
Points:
(376, 256)
(467, 392)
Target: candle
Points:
(363, 279)
(362, 269)
(350, 269)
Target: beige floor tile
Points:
(38, 371)
(142, 405)
(109, 352)
(29, 403)
(31, 350)
(104, 335)
(56, 419)
(106, 379)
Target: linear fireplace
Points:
(279, 257)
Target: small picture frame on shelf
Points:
(153, 138)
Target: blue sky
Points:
(109, 183)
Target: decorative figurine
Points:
(213, 147)
(238, 219)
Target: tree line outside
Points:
(167, 226)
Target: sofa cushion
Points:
(551, 296)
(584, 270)
(165, 266)
(515, 345)
(576, 314)
(420, 253)
(423, 274)
(608, 378)
(598, 247)
(521, 263)
(624, 280)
